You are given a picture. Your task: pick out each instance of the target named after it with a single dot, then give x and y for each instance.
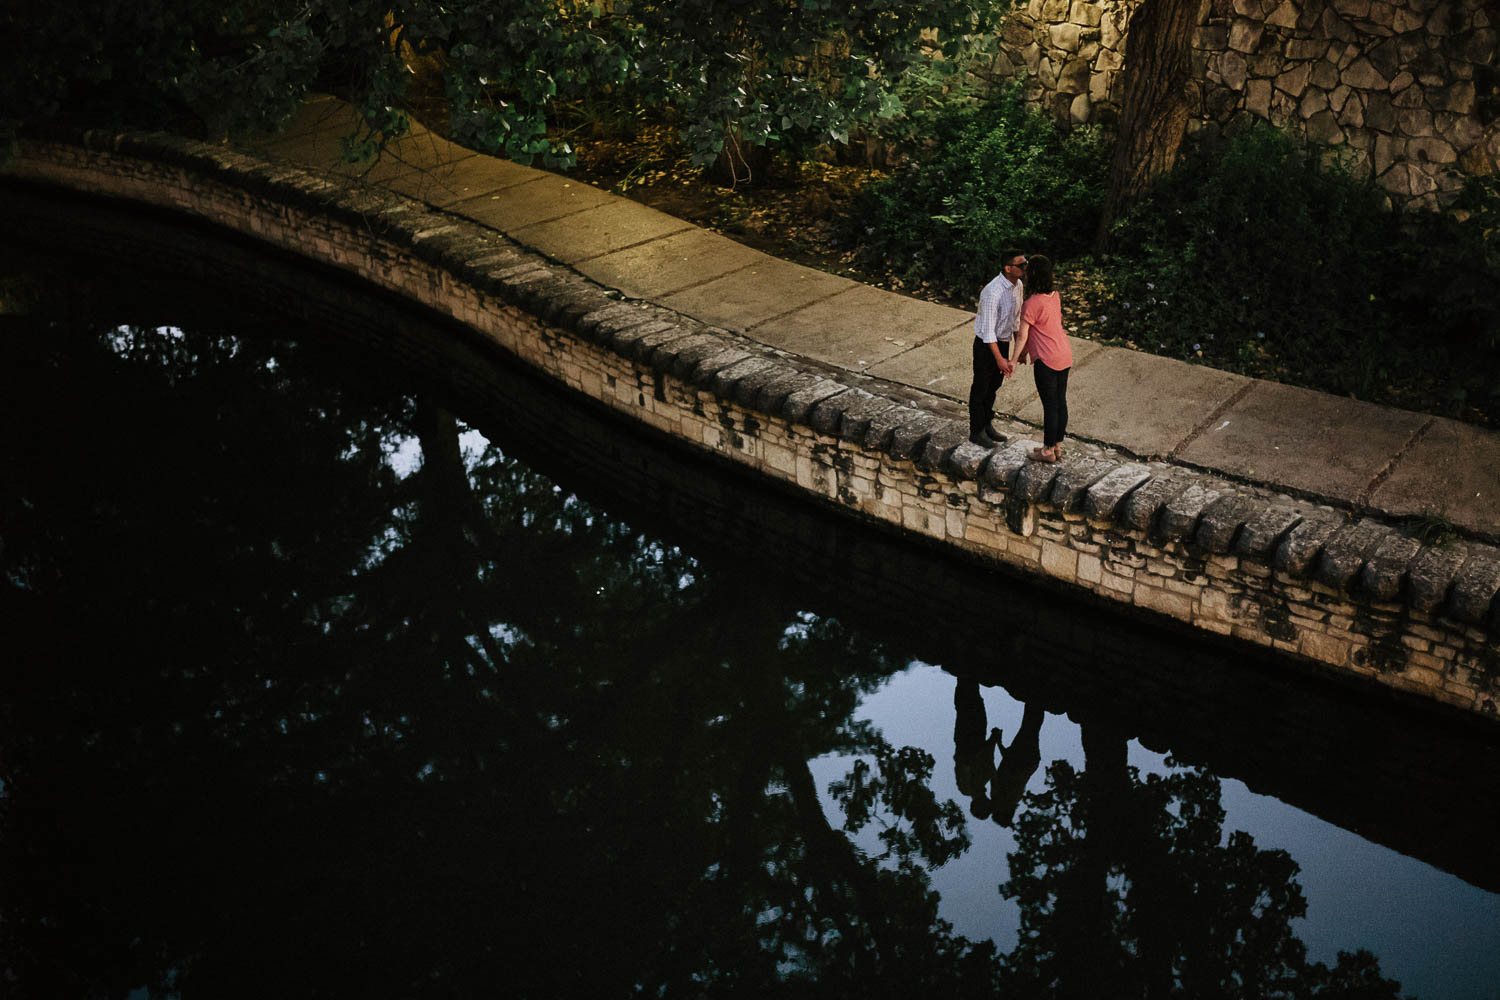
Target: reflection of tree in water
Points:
(283, 721)
(1128, 888)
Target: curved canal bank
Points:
(1354, 596)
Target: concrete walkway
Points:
(1353, 454)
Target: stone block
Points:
(594, 325)
(1034, 482)
(1294, 80)
(1323, 128)
(1379, 113)
(871, 421)
(1352, 116)
(1099, 85)
(1410, 96)
(1059, 561)
(641, 347)
(1070, 489)
(1220, 521)
(1108, 61)
(1074, 78)
(1463, 132)
(1301, 546)
(764, 392)
(1090, 15)
(710, 365)
(726, 380)
(1347, 550)
(1178, 519)
(909, 437)
(1005, 465)
(1245, 34)
(1362, 75)
(1140, 508)
(1162, 601)
(1431, 573)
(1324, 648)
(1233, 70)
(940, 443)
(1111, 30)
(1104, 496)
(1300, 49)
(799, 403)
(1314, 100)
(1258, 98)
(1284, 16)
(1387, 567)
(1475, 585)
(1053, 11)
(966, 461)
(1338, 28)
(679, 357)
(1431, 149)
(1063, 36)
(827, 414)
(1264, 531)
(1457, 97)
(1046, 74)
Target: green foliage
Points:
(1434, 528)
(1254, 256)
(798, 73)
(990, 177)
(177, 63)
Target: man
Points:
(998, 320)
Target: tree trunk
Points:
(740, 163)
(1154, 110)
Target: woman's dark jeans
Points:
(1052, 386)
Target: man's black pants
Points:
(987, 379)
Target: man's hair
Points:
(1038, 275)
(1009, 255)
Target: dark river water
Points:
(333, 674)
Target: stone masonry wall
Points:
(1351, 594)
(1408, 91)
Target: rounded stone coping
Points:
(1368, 558)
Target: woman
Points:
(1043, 343)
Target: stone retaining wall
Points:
(1352, 594)
(1408, 91)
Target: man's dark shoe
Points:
(995, 436)
(979, 438)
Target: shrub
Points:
(1255, 256)
(988, 177)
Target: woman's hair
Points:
(1038, 275)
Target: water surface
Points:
(332, 677)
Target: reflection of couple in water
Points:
(994, 790)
